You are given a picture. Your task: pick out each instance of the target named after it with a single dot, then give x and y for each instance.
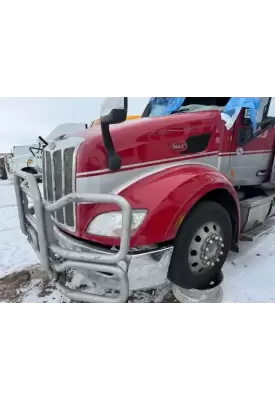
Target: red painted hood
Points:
(147, 139)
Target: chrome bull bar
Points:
(36, 223)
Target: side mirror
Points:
(113, 111)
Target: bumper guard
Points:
(36, 223)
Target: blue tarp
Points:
(235, 105)
(166, 105)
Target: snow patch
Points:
(15, 251)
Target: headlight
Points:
(110, 224)
(29, 162)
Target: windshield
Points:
(230, 107)
(162, 106)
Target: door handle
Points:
(262, 173)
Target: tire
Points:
(201, 246)
(3, 174)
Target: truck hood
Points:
(147, 140)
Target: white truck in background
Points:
(59, 131)
(28, 158)
(21, 159)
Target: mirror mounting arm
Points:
(114, 161)
(113, 111)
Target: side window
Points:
(246, 133)
(262, 109)
(271, 108)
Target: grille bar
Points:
(44, 172)
(57, 167)
(68, 165)
(49, 179)
(58, 178)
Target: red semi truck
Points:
(132, 204)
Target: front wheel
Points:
(201, 246)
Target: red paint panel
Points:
(147, 139)
(166, 195)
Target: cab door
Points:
(251, 155)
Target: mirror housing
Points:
(113, 111)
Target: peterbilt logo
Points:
(180, 146)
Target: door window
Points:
(262, 110)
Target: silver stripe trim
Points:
(116, 182)
(119, 181)
(234, 153)
(119, 189)
(189, 157)
(147, 164)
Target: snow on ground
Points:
(15, 252)
(248, 276)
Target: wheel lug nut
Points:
(211, 241)
(221, 253)
(218, 260)
(207, 249)
(212, 264)
(217, 237)
(206, 258)
(222, 245)
(220, 239)
(208, 263)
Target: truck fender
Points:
(171, 194)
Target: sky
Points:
(23, 119)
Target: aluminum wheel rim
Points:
(206, 248)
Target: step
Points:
(251, 234)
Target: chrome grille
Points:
(58, 178)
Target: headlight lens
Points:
(110, 224)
